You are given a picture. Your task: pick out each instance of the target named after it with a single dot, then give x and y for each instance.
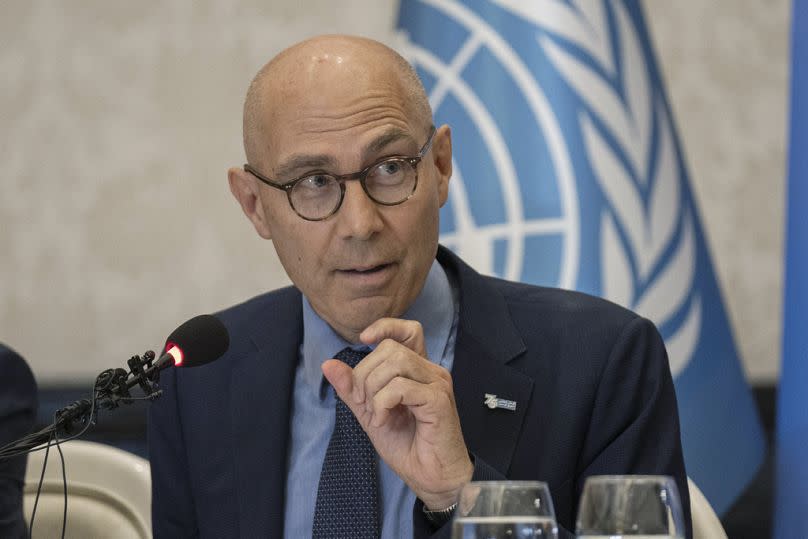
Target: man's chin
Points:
(360, 313)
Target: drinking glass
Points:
(635, 506)
(504, 510)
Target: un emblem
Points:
(566, 169)
(513, 207)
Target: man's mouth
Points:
(365, 270)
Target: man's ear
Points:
(442, 158)
(245, 188)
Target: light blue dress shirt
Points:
(313, 405)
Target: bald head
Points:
(325, 66)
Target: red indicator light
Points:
(174, 351)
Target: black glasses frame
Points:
(342, 178)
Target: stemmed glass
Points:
(616, 506)
(506, 510)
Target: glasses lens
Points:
(391, 181)
(316, 197)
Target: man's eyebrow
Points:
(384, 140)
(298, 162)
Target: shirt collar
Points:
(433, 308)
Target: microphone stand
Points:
(111, 390)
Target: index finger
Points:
(410, 333)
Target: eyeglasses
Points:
(318, 196)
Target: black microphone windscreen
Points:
(202, 339)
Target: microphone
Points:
(198, 341)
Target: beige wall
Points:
(118, 120)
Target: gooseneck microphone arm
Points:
(111, 389)
(200, 340)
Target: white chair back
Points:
(108, 489)
(706, 524)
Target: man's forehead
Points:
(331, 84)
(364, 121)
(335, 92)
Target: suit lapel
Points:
(490, 434)
(486, 341)
(261, 392)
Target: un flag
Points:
(792, 410)
(568, 172)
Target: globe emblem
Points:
(513, 208)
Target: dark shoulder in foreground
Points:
(15, 375)
(18, 404)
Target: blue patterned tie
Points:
(347, 497)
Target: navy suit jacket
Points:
(591, 381)
(18, 404)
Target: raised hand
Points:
(406, 405)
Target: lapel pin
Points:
(493, 402)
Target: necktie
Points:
(347, 496)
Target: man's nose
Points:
(359, 216)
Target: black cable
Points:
(39, 488)
(64, 483)
(26, 444)
(33, 441)
(89, 417)
(30, 443)
(29, 447)
(54, 436)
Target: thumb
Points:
(340, 376)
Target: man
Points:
(18, 404)
(277, 438)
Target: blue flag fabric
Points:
(568, 172)
(792, 409)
